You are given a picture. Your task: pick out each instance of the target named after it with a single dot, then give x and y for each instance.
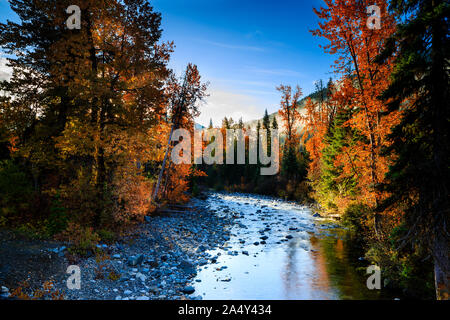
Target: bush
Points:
(83, 239)
(15, 190)
(57, 221)
(106, 236)
(354, 217)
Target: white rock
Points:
(127, 292)
(144, 298)
(141, 277)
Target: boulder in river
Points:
(188, 290)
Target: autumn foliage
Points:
(86, 115)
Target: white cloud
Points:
(222, 103)
(5, 72)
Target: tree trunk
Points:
(161, 173)
(442, 268)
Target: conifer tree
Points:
(419, 180)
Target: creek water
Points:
(279, 251)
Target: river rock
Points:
(188, 290)
(141, 277)
(187, 266)
(135, 260)
(164, 257)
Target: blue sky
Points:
(243, 48)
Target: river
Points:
(279, 251)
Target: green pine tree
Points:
(419, 180)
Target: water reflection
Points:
(314, 264)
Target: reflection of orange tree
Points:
(321, 279)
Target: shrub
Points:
(57, 221)
(354, 217)
(15, 189)
(106, 235)
(83, 239)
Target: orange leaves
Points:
(344, 24)
(133, 192)
(289, 112)
(316, 126)
(178, 184)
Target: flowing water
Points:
(278, 251)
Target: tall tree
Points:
(184, 96)
(275, 123)
(344, 25)
(289, 112)
(83, 103)
(420, 177)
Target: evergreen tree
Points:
(266, 121)
(333, 182)
(275, 123)
(266, 126)
(240, 123)
(419, 180)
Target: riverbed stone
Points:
(188, 290)
(135, 260)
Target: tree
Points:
(419, 179)
(86, 103)
(240, 124)
(266, 126)
(266, 121)
(291, 116)
(275, 123)
(183, 99)
(289, 112)
(344, 25)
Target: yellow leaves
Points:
(77, 139)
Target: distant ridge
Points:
(314, 96)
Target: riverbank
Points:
(157, 261)
(226, 246)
